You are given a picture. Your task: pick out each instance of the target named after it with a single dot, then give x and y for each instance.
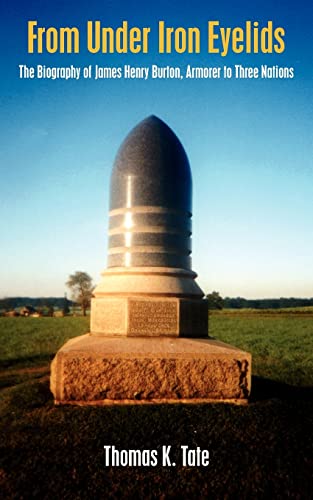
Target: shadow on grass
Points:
(16, 371)
(26, 361)
(263, 388)
(16, 377)
(262, 450)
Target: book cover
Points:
(234, 82)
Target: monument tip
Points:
(153, 159)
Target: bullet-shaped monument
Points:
(148, 287)
(149, 318)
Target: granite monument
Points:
(148, 340)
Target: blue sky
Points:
(249, 143)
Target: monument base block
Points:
(131, 370)
(149, 316)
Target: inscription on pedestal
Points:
(153, 317)
(109, 315)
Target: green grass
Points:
(281, 346)
(33, 341)
(261, 312)
(264, 450)
(29, 344)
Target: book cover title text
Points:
(251, 37)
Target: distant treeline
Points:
(11, 303)
(241, 303)
(218, 302)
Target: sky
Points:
(249, 143)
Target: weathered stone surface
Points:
(92, 369)
(149, 316)
(109, 315)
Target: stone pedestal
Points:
(110, 370)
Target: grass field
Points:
(263, 450)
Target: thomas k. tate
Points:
(189, 457)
